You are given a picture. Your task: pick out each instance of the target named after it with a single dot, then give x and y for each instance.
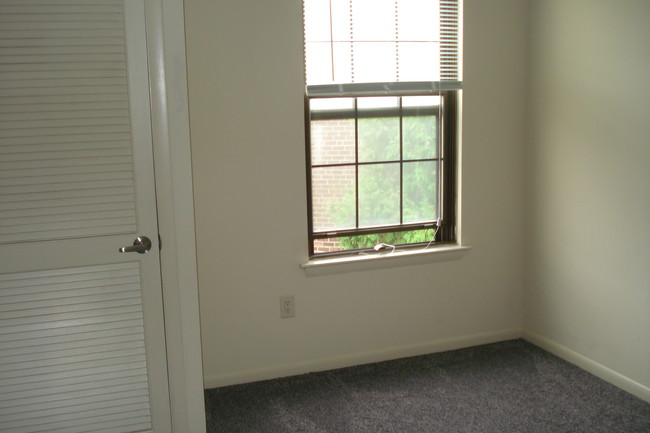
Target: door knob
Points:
(141, 245)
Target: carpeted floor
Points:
(508, 387)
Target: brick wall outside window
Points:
(332, 142)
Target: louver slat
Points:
(72, 351)
(64, 94)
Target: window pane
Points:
(318, 62)
(419, 137)
(342, 62)
(333, 196)
(374, 62)
(340, 19)
(317, 20)
(332, 141)
(345, 243)
(331, 104)
(419, 131)
(379, 136)
(377, 102)
(373, 20)
(418, 61)
(420, 191)
(417, 19)
(379, 194)
(425, 102)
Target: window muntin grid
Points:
(403, 173)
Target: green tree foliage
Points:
(394, 238)
(379, 204)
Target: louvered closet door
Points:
(81, 324)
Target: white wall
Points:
(589, 245)
(246, 109)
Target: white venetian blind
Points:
(369, 41)
(65, 142)
(72, 351)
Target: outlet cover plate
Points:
(287, 306)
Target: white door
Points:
(82, 344)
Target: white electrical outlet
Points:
(287, 306)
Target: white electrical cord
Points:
(438, 225)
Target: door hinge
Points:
(159, 242)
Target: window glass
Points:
(354, 242)
(420, 137)
(333, 198)
(332, 141)
(378, 139)
(379, 191)
(420, 191)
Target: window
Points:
(381, 106)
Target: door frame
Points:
(175, 204)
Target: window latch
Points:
(383, 247)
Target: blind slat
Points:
(370, 41)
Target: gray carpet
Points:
(511, 386)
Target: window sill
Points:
(382, 260)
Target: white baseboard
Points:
(360, 358)
(593, 367)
